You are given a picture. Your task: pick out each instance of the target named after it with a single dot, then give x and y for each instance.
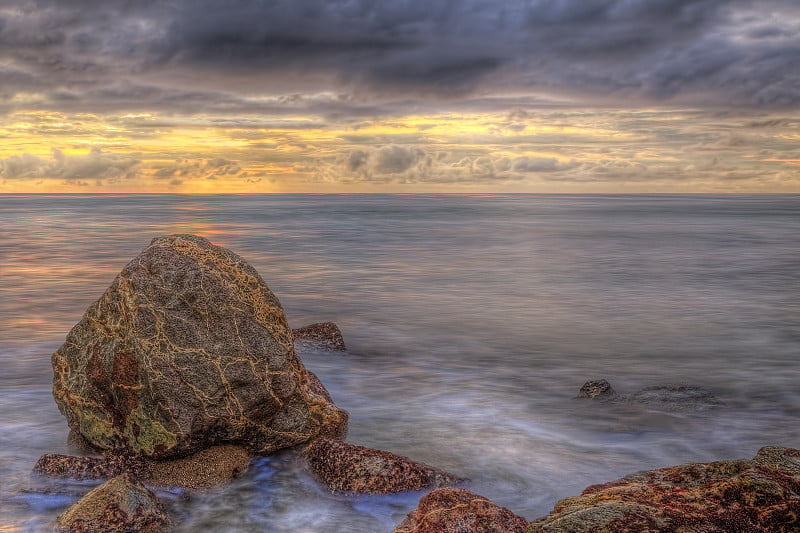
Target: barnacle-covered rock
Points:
(359, 470)
(457, 511)
(758, 496)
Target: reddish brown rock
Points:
(355, 469)
(322, 336)
(758, 496)
(460, 511)
(207, 468)
(73, 467)
(188, 348)
(121, 504)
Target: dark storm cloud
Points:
(218, 57)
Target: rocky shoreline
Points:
(185, 370)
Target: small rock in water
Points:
(120, 505)
(599, 388)
(321, 336)
(666, 397)
(355, 469)
(460, 511)
(757, 496)
(71, 467)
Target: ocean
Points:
(471, 323)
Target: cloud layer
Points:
(120, 54)
(519, 95)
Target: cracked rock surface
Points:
(187, 348)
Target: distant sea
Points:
(471, 322)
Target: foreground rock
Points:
(72, 467)
(211, 467)
(121, 504)
(321, 336)
(460, 511)
(355, 469)
(758, 496)
(187, 349)
(663, 397)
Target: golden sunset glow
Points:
(371, 97)
(518, 150)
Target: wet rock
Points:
(757, 496)
(600, 389)
(355, 469)
(336, 428)
(676, 397)
(320, 336)
(188, 348)
(663, 397)
(210, 467)
(71, 467)
(460, 511)
(121, 504)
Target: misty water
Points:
(471, 322)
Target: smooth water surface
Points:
(471, 322)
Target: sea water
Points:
(471, 322)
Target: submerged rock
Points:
(677, 397)
(321, 336)
(188, 348)
(758, 496)
(460, 511)
(121, 504)
(355, 469)
(666, 397)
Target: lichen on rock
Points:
(757, 496)
(187, 348)
(120, 505)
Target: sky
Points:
(414, 96)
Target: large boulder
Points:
(187, 348)
(758, 496)
(460, 511)
(120, 505)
